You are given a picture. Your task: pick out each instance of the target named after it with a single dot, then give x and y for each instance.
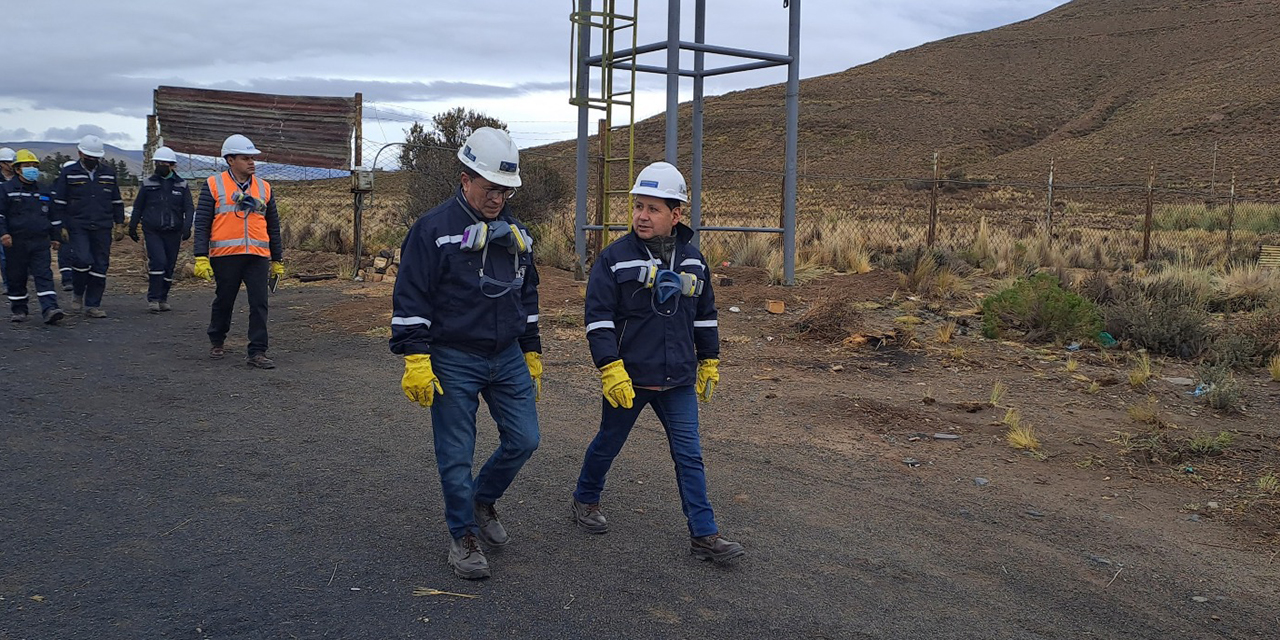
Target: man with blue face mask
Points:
(27, 232)
(465, 318)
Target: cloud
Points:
(19, 134)
(69, 134)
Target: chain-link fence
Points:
(841, 221)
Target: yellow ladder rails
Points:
(616, 99)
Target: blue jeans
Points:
(677, 409)
(503, 380)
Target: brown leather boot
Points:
(715, 548)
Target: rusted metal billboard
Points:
(307, 131)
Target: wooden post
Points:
(1213, 179)
(1231, 218)
(602, 191)
(1146, 226)
(359, 148)
(933, 204)
(149, 149)
(1048, 218)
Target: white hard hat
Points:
(91, 146)
(238, 145)
(491, 153)
(7, 155)
(661, 180)
(164, 154)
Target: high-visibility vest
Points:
(238, 229)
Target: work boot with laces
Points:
(52, 316)
(491, 532)
(153, 307)
(715, 548)
(77, 303)
(94, 312)
(164, 306)
(466, 558)
(589, 517)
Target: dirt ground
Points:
(150, 492)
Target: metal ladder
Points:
(616, 98)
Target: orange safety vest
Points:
(236, 228)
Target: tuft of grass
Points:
(1248, 286)
(1094, 387)
(958, 354)
(756, 251)
(1146, 413)
(997, 393)
(1072, 364)
(1209, 445)
(1273, 366)
(1140, 374)
(1021, 435)
(946, 332)
(1269, 483)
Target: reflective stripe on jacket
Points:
(239, 226)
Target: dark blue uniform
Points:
(89, 204)
(164, 209)
(476, 313)
(25, 217)
(660, 343)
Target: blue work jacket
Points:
(24, 211)
(659, 343)
(84, 200)
(439, 298)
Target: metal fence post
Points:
(1231, 218)
(1146, 226)
(933, 204)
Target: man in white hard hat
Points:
(237, 240)
(163, 208)
(652, 327)
(465, 318)
(7, 157)
(66, 257)
(7, 173)
(87, 199)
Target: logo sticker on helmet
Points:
(507, 167)
(466, 151)
(649, 183)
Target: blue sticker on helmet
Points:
(466, 151)
(649, 183)
(507, 167)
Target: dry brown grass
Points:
(1140, 373)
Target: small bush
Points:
(1160, 317)
(1224, 391)
(1040, 309)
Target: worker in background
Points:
(465, 318)
(87, 200)
(163, 208)
(6, 174)
(65, 254)
(27, 232)
(652, 327)
(237, 240)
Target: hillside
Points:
(1103, 86)
(132, 159)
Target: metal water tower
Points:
(619, 62)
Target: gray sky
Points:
(95, 64)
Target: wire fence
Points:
(992, 223)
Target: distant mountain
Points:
(132, 159)
(189, 166)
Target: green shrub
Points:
(1224, 391)
(1162, 317)
(1040, 309)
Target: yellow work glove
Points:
(534, 360)
(617, 385)
(708, 378)
(203, 269)
(277, 268)
(420, 383)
